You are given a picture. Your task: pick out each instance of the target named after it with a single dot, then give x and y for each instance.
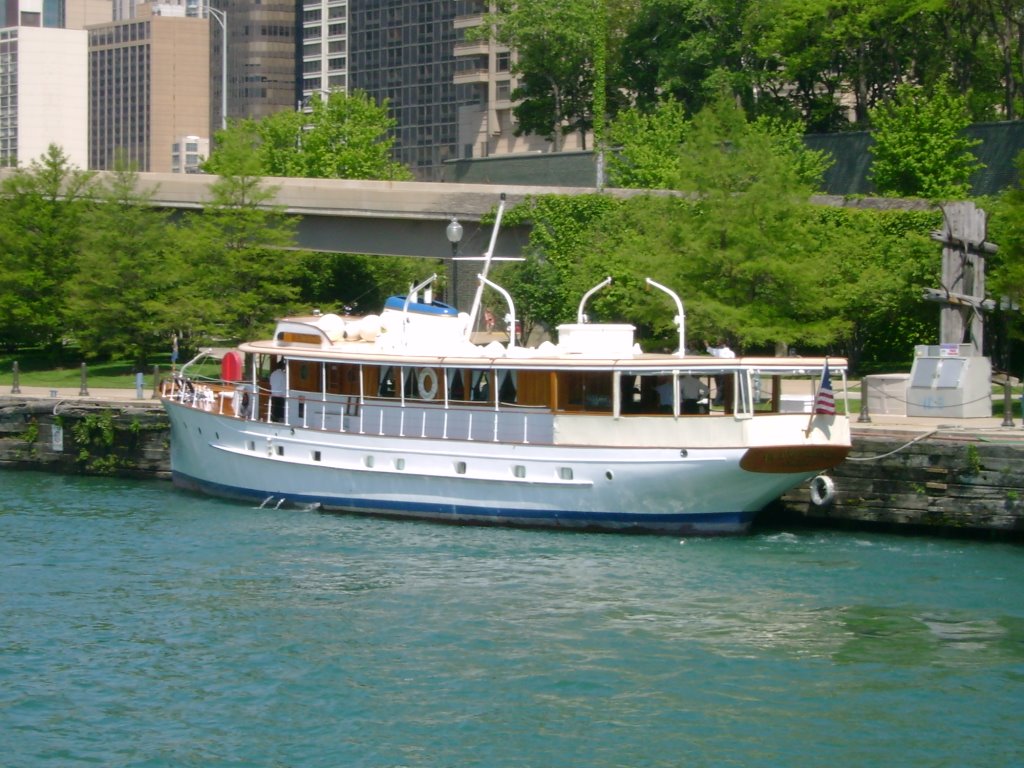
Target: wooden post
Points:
(962, 293)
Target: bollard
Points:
(1007, 403)
(15, 386)
(865, 417)
(138, 385)
(84, 391)
(156, 381)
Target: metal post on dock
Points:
(1007, 403)
(84, 391)
(138, 385)
(156, 381)
(865, 416)
(15, 386)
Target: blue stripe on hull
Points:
(703, 523)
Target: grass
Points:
(37, 368)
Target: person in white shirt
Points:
(278, 392)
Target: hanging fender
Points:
(823, 490)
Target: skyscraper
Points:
(149, 85)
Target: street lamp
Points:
(454, 234)
(221, 17)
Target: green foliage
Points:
(919, 148)
(43, 217)
(238, 250)
(123, 295)
(338, 282)
(345, 136)
(555, 42)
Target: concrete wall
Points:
(53, 93)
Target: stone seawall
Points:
(948, 479)
(84, 436)
(952, 481)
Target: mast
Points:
(482, 277)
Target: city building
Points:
(188, 153)
(43, 92)
(149, 85)
(261, 57)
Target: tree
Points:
(345, 136)
(238, 248)
(654, 148)
(555, 43)
(122, 298)
(920, 149)
(42, 221)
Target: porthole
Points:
(683, 453)
(460, 467)
(519, 470)
(609, 474)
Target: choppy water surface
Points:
(140, 626)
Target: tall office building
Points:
(261, 58)
(149, 86)
(404, 52)
(43, 93)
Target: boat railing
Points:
(349, 413)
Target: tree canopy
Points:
(342, 136)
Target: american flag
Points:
(825, 402)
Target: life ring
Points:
(427, 380)
(823, 490)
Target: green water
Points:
(140, 626)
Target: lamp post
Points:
(221, 17)
(454, 234)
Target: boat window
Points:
(386, 387)
(585, 391)
(481, 391)
(507, 388)
(456, 390)
(640, 393)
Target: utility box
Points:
(886, 393)
(947, 380)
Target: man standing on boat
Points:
(278, 391)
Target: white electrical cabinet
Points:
(948, 381)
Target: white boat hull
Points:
(678, 490)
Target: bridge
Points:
(393, 218)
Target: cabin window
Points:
(399, 464)
(507, 387)
(585, 391)
(368, 461)
(316, 455)
(565, 473)
(481, 391)
(460, 467)
(456, 390)
(279, 449)
(386, 387)
(519, 470)
(252, 445)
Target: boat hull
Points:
(657, 490)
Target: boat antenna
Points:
(679, 319)
(482, 277)
(580, 317)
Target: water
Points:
(140, 626)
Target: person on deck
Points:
(278, 392)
